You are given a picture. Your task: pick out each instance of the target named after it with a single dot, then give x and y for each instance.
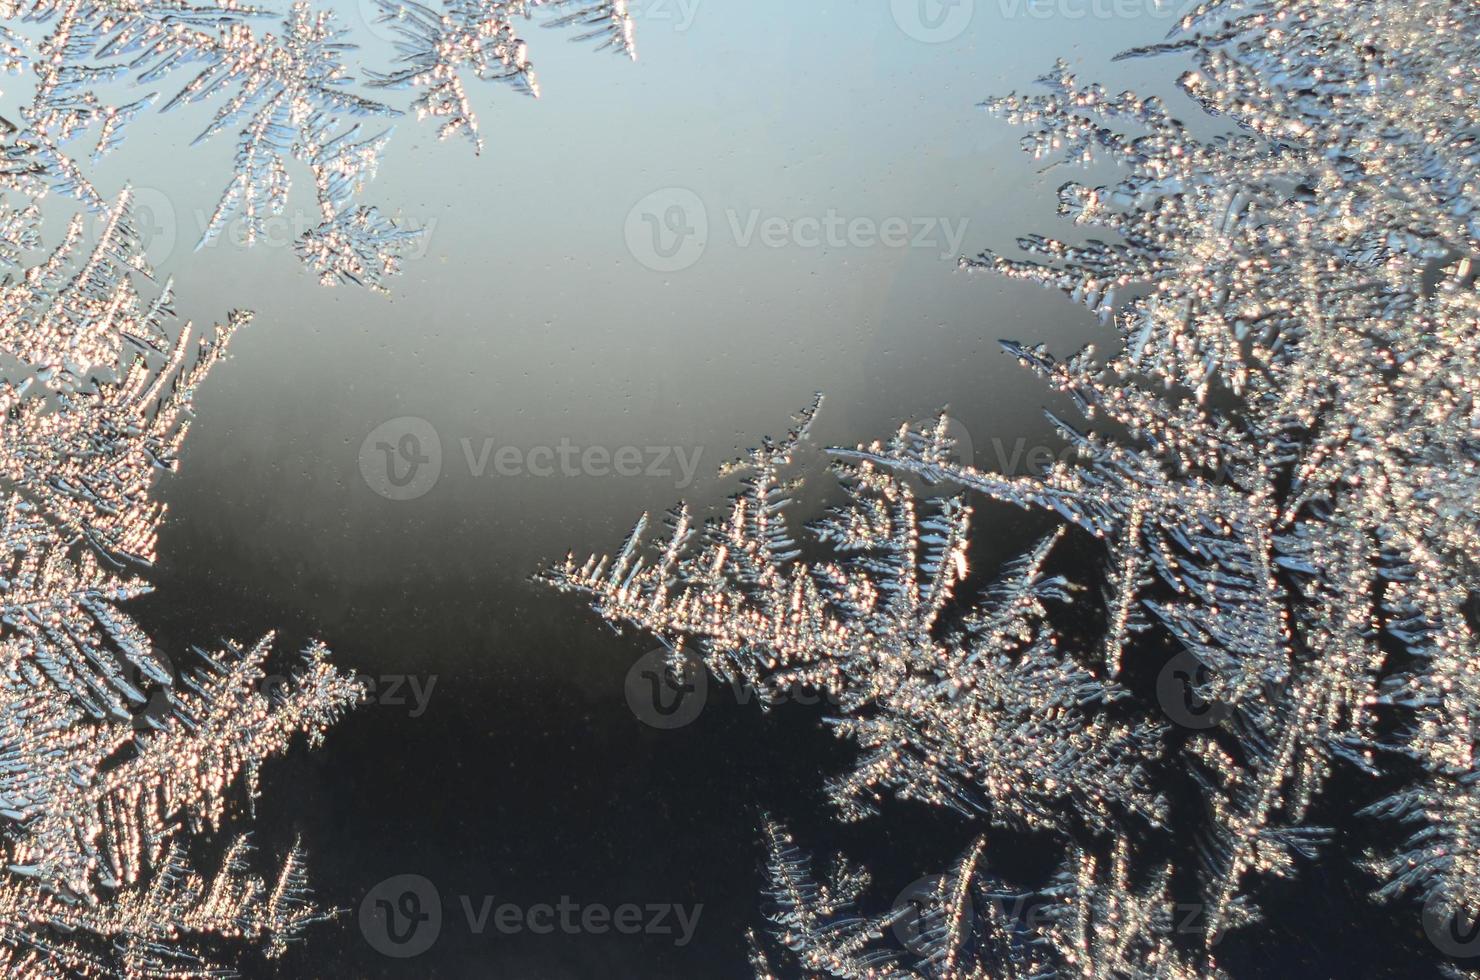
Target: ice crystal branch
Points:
(987, 715)
(111, 760)
(1280, 463)
(479, 37)
(282, 89)
(1090, 921)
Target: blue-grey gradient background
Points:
(528, 321)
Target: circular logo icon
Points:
(1452, 932)
(965, 450)
(151, 678)
(962, 449)
(1177, 692)
(664, 697)
(402, 916)
(932, 21)
(152, 215)
(919, 908)
(380, 18)
(667, 230)
(401, 459)
(275, 688)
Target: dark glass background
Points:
(529, 321)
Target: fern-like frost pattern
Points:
(281, 86)
(1279, 466)
(113, 763)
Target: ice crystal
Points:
(110, 760)
(479, 36)
(1280, 465)
(283, 91)
(1090, 922)
(986, 716)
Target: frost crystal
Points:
(1089, 922)
(110, 760)
(985, 716)
(479, 36)
(1280, 467)
(282, 91)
